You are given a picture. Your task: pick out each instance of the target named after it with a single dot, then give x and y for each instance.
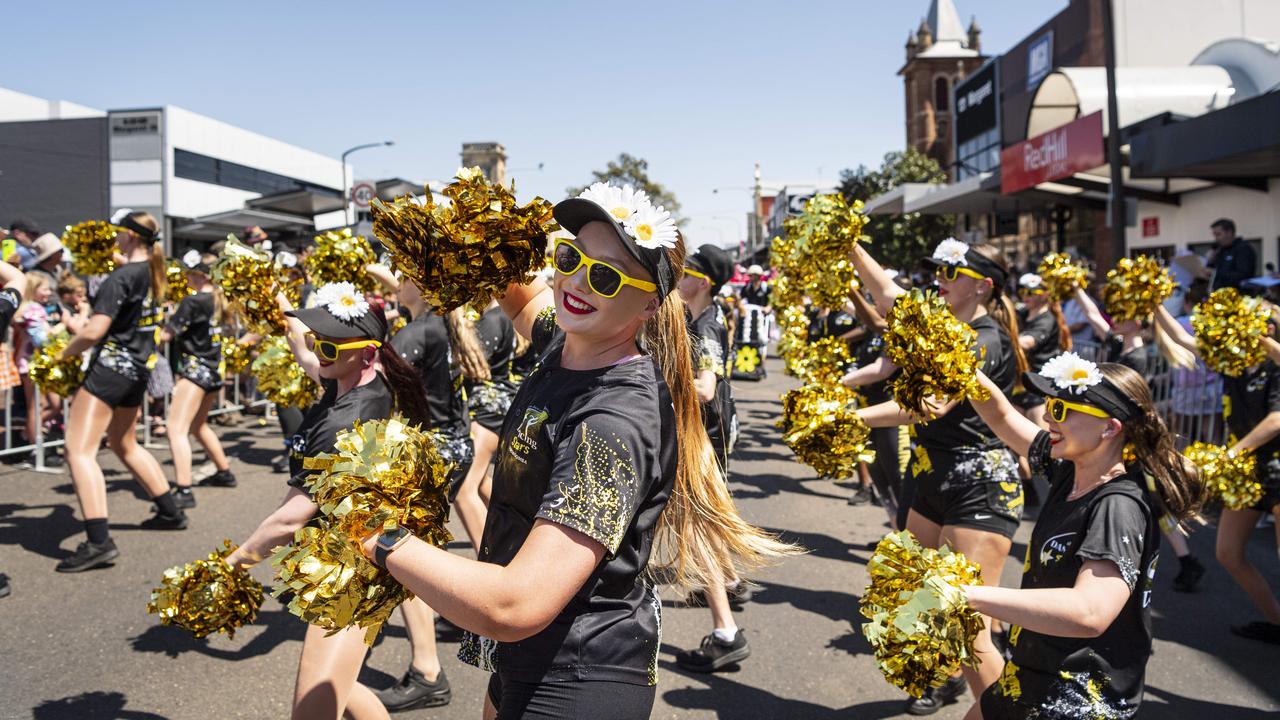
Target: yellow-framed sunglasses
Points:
(1058, 409)
(951, 272)
(328, 350)
(697, 274)
(604, 279)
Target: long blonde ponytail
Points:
(701, 524)
(466, 344)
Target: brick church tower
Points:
(939, 53)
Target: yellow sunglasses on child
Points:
(604, 279)
(696, 274)
(1058, 409)
(328, 350)
(951, 272)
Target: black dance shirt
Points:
(194, 332)
(1042, 328)
(961, 428)
(711, 348)
(595, 451)
(424, 344)
(498, 337)
(758, 295)
(125, 296)
(10, 299)
(1141, 359)
(1055, 677)
(1250, 397)
(331, 415)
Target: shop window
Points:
(194, 166)
(941, 95)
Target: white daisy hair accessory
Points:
(1030, 281)
(651, 226)
(342, 300)
(191, 259)
(951, 252)
(287, 259)
(1071, 372)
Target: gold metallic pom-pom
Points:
(1229, 331)
(934, 350)
(92, 245)
(235, 357)
(794, 331)
(815, 255)
(1061, 275)
(176, 278)
(341, 256)
(820, 362)
(919, 624)
(383, 474)
(50, 374)
(281, 378)
(207, 596)
(820, 424)
(1229, 475)
(471, 249)
(1135, 287)
(249, 278)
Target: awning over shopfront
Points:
(1239, 144)
(895, 201)
(309, 202)
(216, 226)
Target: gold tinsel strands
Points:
(1061, 275)
(60, 377)
(1134, 287)
(786, 290)
(794, 332)
(235, 357)
(822, 237)
(919, 624)
(822, 361)
(1229, 475)
(281, 378)
(176, 276)
(92, 245)
(341, 256)
(382, 474)
(471, 249)
(934, 350)
(820, 424)
(207, 596)
(1229, 331)
(249, 278)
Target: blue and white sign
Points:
(1039, 60)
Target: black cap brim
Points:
(1103, 395)
(322, 322)
(574, 214)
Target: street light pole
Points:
(346, 191)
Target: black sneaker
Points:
(861, 496)
(161, 521)
(184, 498)
(1189, 574)
(934, 699)
(739, 595)
(88, 556)
(280, 464)
(1258, 630)
(714, 654)
(414, 691)
(222, 478)
(5, 589)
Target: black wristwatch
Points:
(389, 540)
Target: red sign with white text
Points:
(1151, 226)
(1059, 153)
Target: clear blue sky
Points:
(700, 89)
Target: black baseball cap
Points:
(573, 214)
(1104, 395)
(25, 225)
(714, 262)
(371, 325)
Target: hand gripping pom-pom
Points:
(53, 374)
(469, 250)
(92, 245)
(341, 256)
(1135, 286)
(382, 474)
(1229, 331)
(207, 596)
(1229, 474)
(176, 282)
(281, 378)
(250, 278)
(934, 350)
(919, 624)
(1061, 275)
(821, 425)
(814, 257)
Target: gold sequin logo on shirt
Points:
(598, 501)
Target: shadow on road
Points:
(41, 535)
(1175, 707)
(838, 606)
(91, 706)
(279, 626)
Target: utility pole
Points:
(1116, 207)
(755, 236)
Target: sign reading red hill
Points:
(1059, 153)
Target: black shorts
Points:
(971, 489)
(113, 388)
(205, 377)
(1268, 475)
(458, 453)
(489, 403)
(584, 700)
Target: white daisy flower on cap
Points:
(342, 300)
(191, 258)
(652, 227)
(1030, 281)
(951, 252)
(620, 202)
(1071, 372)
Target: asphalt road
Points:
(83, 647)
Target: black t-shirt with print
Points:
(194, 332)
(498, 338)
(424, 344)
(961, 428)
(1056, 677)
(10, 299)
(595, 451)
(331, 415)
(711, 347)
(1042, 328)
(755, 295)
(125, 296)
(1250, 397)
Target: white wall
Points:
(19, 107)
(1173, 32)
(1256, 214)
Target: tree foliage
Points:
(629, 169)
(900, 240)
